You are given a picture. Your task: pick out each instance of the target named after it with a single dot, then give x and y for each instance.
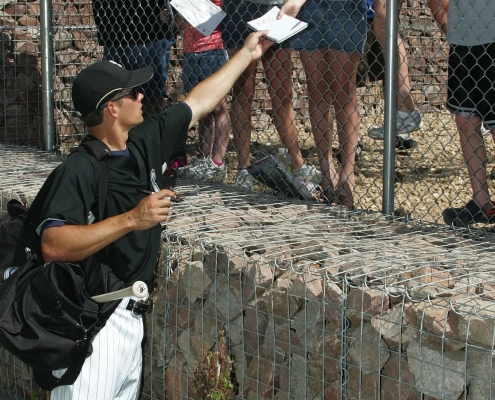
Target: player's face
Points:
(131, 108)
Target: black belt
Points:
(140, 307)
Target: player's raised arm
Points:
(207, 94)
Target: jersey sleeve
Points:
(168, 129)
(68, 193)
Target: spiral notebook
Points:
(279, 29)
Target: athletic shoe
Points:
(405, 142)
(244, 179)
(406, 124)
(203, 170)
(469, 214)
(307, 173)
(359, 149)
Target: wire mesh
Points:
(315, 301)
(429, 177)
(319, 302)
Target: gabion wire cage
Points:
(315, 301)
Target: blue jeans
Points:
(199, 66)
(156, 54)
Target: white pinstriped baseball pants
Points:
(113, 371)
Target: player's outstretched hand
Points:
(291, 8)
(256, 44)
(152, 210)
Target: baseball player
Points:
(127, 235)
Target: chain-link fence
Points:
(277, 108)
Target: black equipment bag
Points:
(10, 227)
(47, 317)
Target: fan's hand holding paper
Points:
(279, 29)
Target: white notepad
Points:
(203, 15)
(279, 29)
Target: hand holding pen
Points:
(151, 210)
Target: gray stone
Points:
(307, 287)
(367, 349)
(476, 320)
(225, 300)
(436, 374)
(235, 331)
(391, 327)
(256, 279)
(193, 280)
(308, 324)
(62, 40)
(480, 366)
(299, 388)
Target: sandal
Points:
(330, 197)
(345, 198)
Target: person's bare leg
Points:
(439, 9)
(405, 101)
(342, 75)
(320, 100)
(222, 130)
(474, 152)
(242, 99)
(205, 135)
(278, 70)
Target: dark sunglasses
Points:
(134, 93)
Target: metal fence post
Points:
(390, 127)
(47, 74)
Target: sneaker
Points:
(405, 142)
(469, 214)
(308, 173)
(203, 170)
(406, 124)
(244, 179)
(359, 149)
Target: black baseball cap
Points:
(100, 81)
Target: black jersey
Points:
(70, 193)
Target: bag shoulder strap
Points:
(50, 382)
(100, 151)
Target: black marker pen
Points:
(172, 199)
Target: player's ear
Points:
(113, 109)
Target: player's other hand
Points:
(291, 8)
(256, 44)
(152, 210)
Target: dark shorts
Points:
(372, 63)
(156, 54)
(335, 24)
(471, 83)
(235, 29)
(198, 66)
